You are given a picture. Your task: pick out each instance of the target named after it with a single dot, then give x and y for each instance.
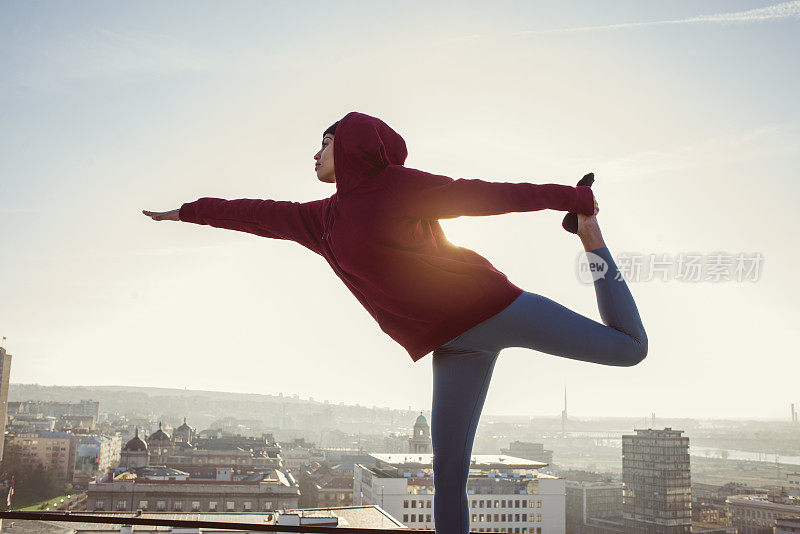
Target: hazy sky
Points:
(687, 112)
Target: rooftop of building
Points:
(367, 516)
(479, 461)
(763, 499)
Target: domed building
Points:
(159, 445)
(134, 453)
(184, 434)
(421, 440)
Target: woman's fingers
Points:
(155, 215)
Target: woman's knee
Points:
(638, 351)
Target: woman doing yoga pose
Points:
(380, 234)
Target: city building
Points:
(55, 451)
(505, 494)
(5, 373)
(167, 489)
(324, 486)
(134, 454)
(30, 423)
(594, 507)
(657, 493)
(420, 441)
(793, 481)
(184, 433)
(787, 526)
(56, 409)
(94, 453)
(159, 445)
(529, 451)
(71, 457)
(757, 514)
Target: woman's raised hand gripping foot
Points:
(589, 230)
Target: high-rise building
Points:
(5, 371)
(657, 493)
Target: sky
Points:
(686, 111)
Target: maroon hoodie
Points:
(380, 233)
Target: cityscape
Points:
(128, 450)
(410, 268)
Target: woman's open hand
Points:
(163, 215)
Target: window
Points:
(480, 504)
(405, 504)
(428, 504)
(122, 504)
(413, 518)
(538, 517)
(488, 504)
(524, 503)
(99, 505)
(177, 506)
(524, 517)
(195, 506)
(503, 504)
(497, 517)
(212, 506)
(516, 503)
(230, 506)
(142, 505)
(497, 504)
(405, 518)
(413, 504)
(161, 505)
(267, 505)
(538, 530)
(248, 506)
(502, 517)
(539, 503)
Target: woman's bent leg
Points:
(536, 322)
(461, 379)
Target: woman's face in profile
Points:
(324, 159)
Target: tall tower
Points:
(5, 372)
(657, 493)
(421, 440)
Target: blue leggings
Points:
(462, 369)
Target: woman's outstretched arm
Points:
(433, 196)
(278, 219)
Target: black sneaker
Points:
(570, 222)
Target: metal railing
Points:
(186, 523)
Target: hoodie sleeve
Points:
(433, 196)
(277, 219)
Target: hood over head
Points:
(362, 147)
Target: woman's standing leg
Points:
(460, 381)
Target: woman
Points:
(380, 233)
